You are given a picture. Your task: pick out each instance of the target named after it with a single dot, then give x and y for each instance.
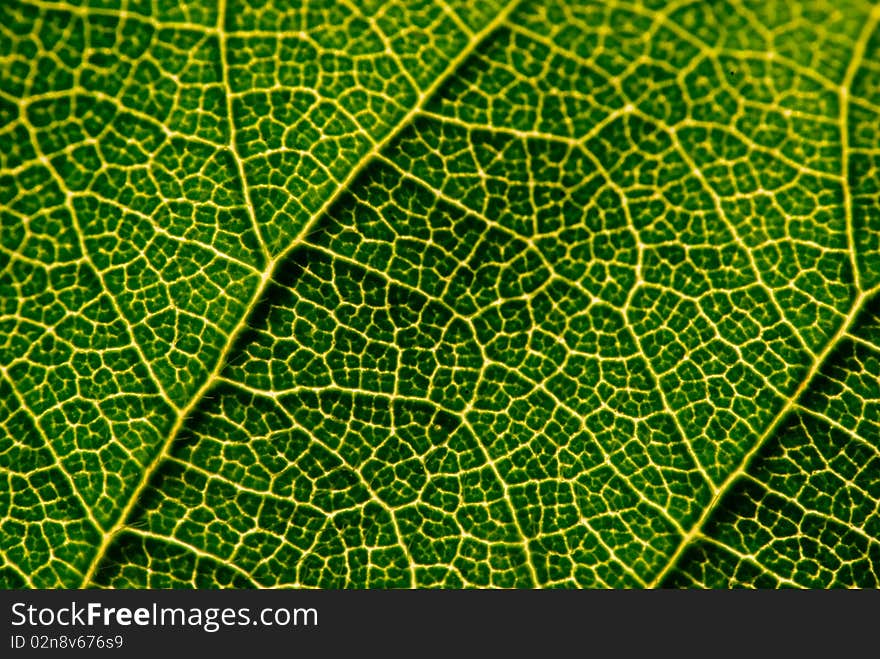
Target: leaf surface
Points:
(423, 294)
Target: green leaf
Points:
(368, 294)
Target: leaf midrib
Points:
(475, 40)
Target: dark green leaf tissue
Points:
(439, 293)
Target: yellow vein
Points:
(67, 476)
(86, 254)
(200, 553)
(453, 64)
(233, 149)
(830, 516)
(751, 560)
(554, 275)
(696, 530)
(844, 92)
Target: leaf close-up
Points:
(439, 293)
